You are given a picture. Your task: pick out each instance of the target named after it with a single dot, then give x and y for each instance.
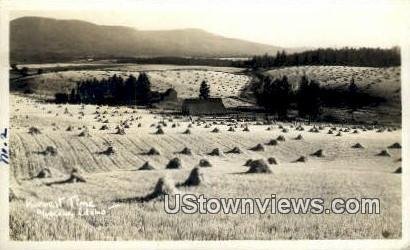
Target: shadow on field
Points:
(73, 178)
(163, 187)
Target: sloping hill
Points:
(37, 39)
(379, 82)
(384, 82)
(185, 81)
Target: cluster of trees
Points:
(24, 71)
(278, 97)
(364, 57)
(308, 98)
(113, 90)
(275, 95)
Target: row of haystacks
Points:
(166, 186)
(52, 151)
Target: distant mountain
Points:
(38, 39)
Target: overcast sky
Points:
(288, 23)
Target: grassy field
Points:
(342, 172)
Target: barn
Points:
(196, 106)
(170, 95)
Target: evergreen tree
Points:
(120, 93)
(275, 96)
(131, 90)
(72, 98)
(284, 97)
(24, 71)
(143, 88)
(308, 98)
(353, 97)
(204, 90)
(14, 67)
(303, 96)
(314, 103)
(353, 87)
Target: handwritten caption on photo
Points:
(4, 148)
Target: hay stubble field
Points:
(342, 172)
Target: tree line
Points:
(113, 90)
(363, 57)
(309, 98)
(24, 71)
(216, 62)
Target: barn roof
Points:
(199, 106)
(200, 101)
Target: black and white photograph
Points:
(241, 123)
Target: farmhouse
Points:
(210, 106)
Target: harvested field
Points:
(340, 171)
(381, 82)
(224, 82)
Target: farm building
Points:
(210, 106)
(170, 95)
